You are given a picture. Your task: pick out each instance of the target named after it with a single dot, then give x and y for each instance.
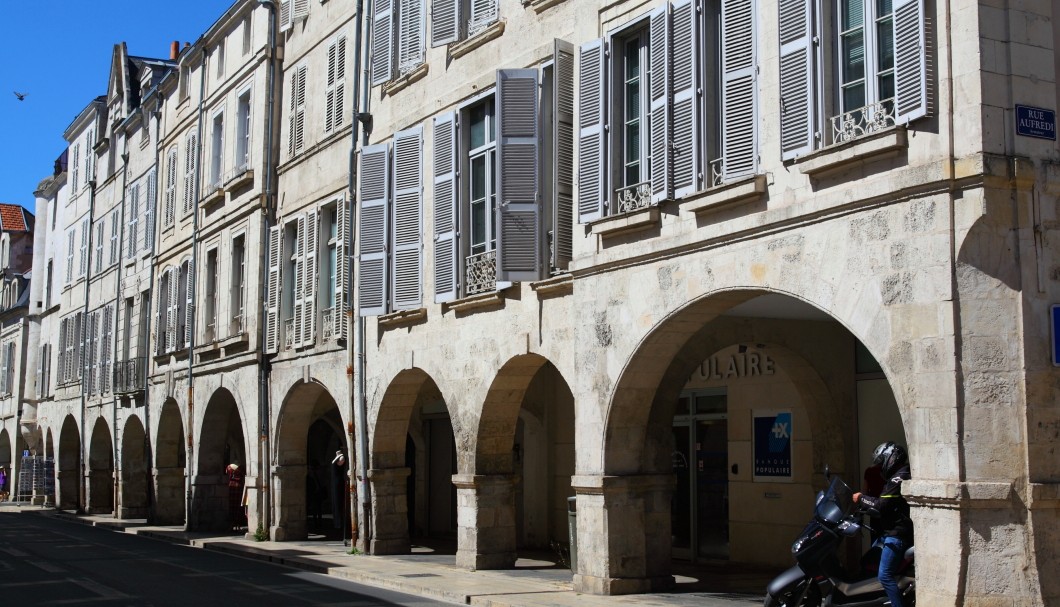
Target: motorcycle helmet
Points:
(890, 458)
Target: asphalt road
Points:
(45, 561)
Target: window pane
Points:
(884, 7)
(633, 142)
(853, 56)
(478, 227)
(478, 178)
(632, 100)
(478, 125)
(884, 46)
(853, 97)
(886, 86)
(853, 13)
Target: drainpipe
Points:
(117, 295)
(190, 294)
(84, 321)
(265, 368)
(357, 384)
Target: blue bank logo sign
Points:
(772, 446)
(1035, 122)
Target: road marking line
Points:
(46, 566)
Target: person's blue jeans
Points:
(890, 560)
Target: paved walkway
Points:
(532, 583)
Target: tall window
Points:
(217, 151)
(243, 131)
(866, 49)
(48, 286)
(219, 59)
(126, 332)
(336, 84)
(132, 221)
(82, 268)
(170, 207)
(296, 118)
(210, 313)
(115, 226)
(99, 245)
(635, 136)
(482, 160)
(191, 163)
(141, 334)
(331, 260)
(292, 285)
(247, 32)
(70, 235)
(75, 166)
(237, 304)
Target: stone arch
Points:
(134, 498)
(100, 469)
(170, 460)
(7, 461)
(222, 441)
(49, 458)
(304, 478)
(69, 468)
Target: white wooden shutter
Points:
(342, 272)
(911, 95)
(75, 162)
(161, 314)
(563, 139)
(149, 212)
(300, 11)
(329, 95)
(519, 247)
(797, 77)
(62, 351)
(5, 363)
(296, 120)
(382, 60)
(310, 284)
(407, 260)
(373, 228)
(685, 86)
(90, 155)
(189, 305)
(410, 34)
(191, 160)
(105, 348)
(339, 90)
(445, 22)
(38, 376)
(446, 252)
(169, 211)
(592, 83)
(272, 314)
(132, 220)
(86, 233)
(483, 13)
(659, 95)
(285, 15)
(300, 286)
(739, 91)
(79, 323)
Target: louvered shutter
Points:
(132, 205)
(518, 180)
(592, 82)
(445, 22)
(382, 41)
(340, 82)
(911, 95)
(174, 308)
(739, 96)
(407, 259)
(796, 78)
(5, 363)
(93, 351)
(86, 232)
(189, 306)
(80, 330)
(310, 284)
(169, 211)
(149, 212)
(372, 236)
(483, 13)
(329, 95)
(161, 314)
(563, 156)
(300, 286)
(300, 10)
(292, 115)
(38, 376)
(685, 87)
(659, 95)
(105, 352)
(446, 254)
(296, 121)
(342, 272)
(191, 161)
(285, 15)
(272, 314)
(62, 351)
(410, 34)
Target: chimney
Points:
(174, 50)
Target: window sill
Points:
(745, 190)
(633, 221)
(481, 301)
(240, 179)
(541, 6)
(400, 83)
(837, 158)
(402, 318)
(459, 49)
(555, 286)
(214, 196)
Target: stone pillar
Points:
(389, 507)
(209, 503)
(99, 493)
(485, 514)
(169, 496)
(288, 485)
(624, 534)
(67, 489)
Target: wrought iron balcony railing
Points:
(481, 272)
(288, 334)
(129, 375)
(633, 197)
(328, 320)
(863, 121)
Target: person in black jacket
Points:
(895, 526)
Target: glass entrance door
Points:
(700, 510)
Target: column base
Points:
(589, 584)
(468, 559)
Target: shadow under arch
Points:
(170, 460)
(216, 502)
(305, 476)
(134, 474)
(68, 471)
(100, 469)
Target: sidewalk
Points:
(532, 583)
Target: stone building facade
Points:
(668, 258)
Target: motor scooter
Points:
(818, 578)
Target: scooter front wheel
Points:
(805, 593)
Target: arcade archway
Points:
(134, 477)
(69, 468)
(100, 470)
(217, 497)
(170, 466)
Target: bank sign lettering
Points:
(1035, 122)
(772, 446)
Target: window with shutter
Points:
(242, 159)
(61, 362)
(272, 296)
(685, 120)
(334, 112)
(285, 15)
(85, 236)
(342, 269)
(98, 257)
(296, 120)
(519, 246)
(445, 21)
(238, 299)
(739, 94)
(79, 338)
(592, 91)
(382, 56)
(169, 212)
(191, 161)
(217, 151)
(90, 156)
(70, 234)
(407, 258)
(5, 364)
(75, 166)
(480, 192)
(299, 10)
(798, 61)
(115, 228)
(411, 24)
(310, 282)
(105, 349)
(189, 310)
(149, 212)
(372, 229)
(132, 221)
(484, 13)
(646, 166)
(92, 344)
(446, 266)
(912, 95)
(561, 149)
(296, 309)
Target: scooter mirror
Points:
(827, 473)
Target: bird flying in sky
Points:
(21, 96)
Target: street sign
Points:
(1035, 122)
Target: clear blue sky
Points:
(58, 52)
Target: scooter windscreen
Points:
(838, 502)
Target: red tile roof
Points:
(12, 218)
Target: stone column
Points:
(169, 495)
(209, 503)
(67, 499)
(624, 535)
(389, 507)
(99, 493)
(485, 514)
(288, 485)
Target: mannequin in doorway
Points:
(338, 490)
(235, 495)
